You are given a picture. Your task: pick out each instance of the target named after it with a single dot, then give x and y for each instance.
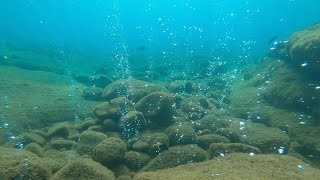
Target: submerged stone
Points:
(222, 149)
(88, 141)
(181, 133)
(13, 165)
(175, 156)
(110, 152)
(132, 89)
(84, 169)
(157, 107)
(113, 109)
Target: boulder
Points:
(304, 47)
(96, 80)
(238, 166)
(92, 93)
(58, 159)
(59, 130)
(204, 141)
(175, 156)
(110, 152)
(35, 148)
(181, 133)
(132, 89)
(33, 138)
(17, 164)
(62, 144)
(157, 107)
(222, 149)
(114, 109)
(84, 169)
(194, 108)
(157, 142)
(132, 124)
(140, 146)
(88, 140)
(136, 160)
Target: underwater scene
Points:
(159, 90)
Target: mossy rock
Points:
(175, 156)
(84, 169)
(110, 152)
(132, 89)
(157, 107)
(222, 149)
(114, 109)
(13, 165)
(88, 141)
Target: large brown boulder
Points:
(157, 107)
(16, 164)
(84, 169)
(304, 47)
(132, 89)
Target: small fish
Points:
(272, 39)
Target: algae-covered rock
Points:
(16, 164)
(267, 139)
(204, 141)
(132, 89)
(96, 80)
(304, 47)
(136, 160)
(92, 93)
(177, 86)
(157, 107)
(113, 109)
(59, 130)
(238, 166)
(84, 169)
(140, 146)
(222, 149)
(194, 108)
(157, 142)
(62, 144)
(34, 138)
(121, 171)
(212, 122)
(110, 152)
(175, 156)
(57, 159)
(289, 88)
(88, 140)
(181, 133)
(35, 148)
(110, 125)
(132, 124)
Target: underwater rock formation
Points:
(304, 47)
(175, 156)
(134, 90)
(181, 133)
(239, 166)
(222, 149)
(84, 169)
(136, 160)
(115, 108)
(157, 107)
(99, 80)
(110, 152)
(88, 141)
(15, 164)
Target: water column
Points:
(120, 58)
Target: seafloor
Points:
(259, 122)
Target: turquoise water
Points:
(110, 89)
